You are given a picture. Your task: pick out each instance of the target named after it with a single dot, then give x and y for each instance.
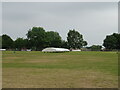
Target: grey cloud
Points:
(93, 20)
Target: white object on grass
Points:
(55, 50)
(76, 50)
(2, 49)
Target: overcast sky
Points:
(94, 20)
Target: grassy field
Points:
(60, 70)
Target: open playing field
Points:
(60, 70)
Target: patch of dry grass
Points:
(62, 78)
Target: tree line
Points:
(38, 39)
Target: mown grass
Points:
(103, 66)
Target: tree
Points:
(64, 44)
(20, 43)
(36, 36)
(75, 40)
(39, 39)
(7, 42)
(27, 43)
(112, 41)
(53, 39)
(0, 42)
(84, 43)
(117, 36)
(95, 47)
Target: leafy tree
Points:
(84, 43)
(64, 44)
(7, 42)
(95, 47)
(117, 36)
(112, 41)
(53, 39)
(27, 43)
(19, 43)
(0, 42)
(39, 39)
(36, 36)
(75, 39)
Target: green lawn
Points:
(60, 70)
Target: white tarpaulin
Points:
(55, 50)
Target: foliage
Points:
(20, 43)
(84, 43)
(112, 41)
(75, 40)
(7, 42)
(64, 44)
(40, 39)
(0, 42)
(53, 39)
(95, 47)
(36, 36)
